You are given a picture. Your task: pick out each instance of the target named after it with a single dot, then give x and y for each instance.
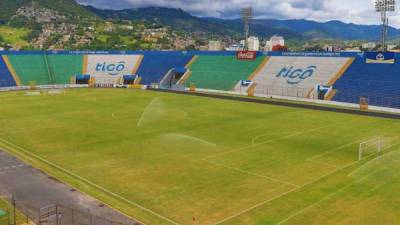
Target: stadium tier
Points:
(221, 72)
(6, 77)
(30, 68)
(62, 67)
(346, 76)
(380, 83)
(298, 76)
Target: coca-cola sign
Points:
(246, 55)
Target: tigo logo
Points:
(112, 69)
(295, 76)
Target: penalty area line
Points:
(285, 193)
(322, 200)
(87, 181)
(269, 141)
(253, 174)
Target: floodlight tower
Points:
(247, 15)
(383, 7)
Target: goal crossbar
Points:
(372, 146)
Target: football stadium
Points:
(197, 137)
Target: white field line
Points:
(253, 174)
(285, 193)
(323, 199)
(269, 141)
(374, 160)
(322, 163)
(89, 182)
(334, 150)
(253, 141)
(293, 190)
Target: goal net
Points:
(370, 147)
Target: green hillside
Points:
(9, 7)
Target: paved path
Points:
(32, 188)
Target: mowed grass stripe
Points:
(159, 165)
(15, 148)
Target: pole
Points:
(57, 222)
(14, 211)
(72, 217)
(26, 215)
(9, 216)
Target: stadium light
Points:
(383, 7)
(247, 15)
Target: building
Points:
(274, 41)
(253, 43)
(214, 46)
(391, 47)
(234, 47)
(332, 48)
(369, 45)
(351, 49)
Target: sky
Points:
(350, 11)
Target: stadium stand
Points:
(377, 82)
(293, 74)
(155, 66)
(109, 69)
(298, 76)
(31, 67)
(221, 72)
(63, 67)
(6, 77)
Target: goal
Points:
(370, 147)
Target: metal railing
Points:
(19, 212)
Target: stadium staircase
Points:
(174, 77)
(155, 66)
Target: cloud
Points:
(355, 11)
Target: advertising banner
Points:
(246, 55)
(381, 57)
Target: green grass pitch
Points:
(165, 158)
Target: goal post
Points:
(370, 147)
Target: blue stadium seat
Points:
(378, 82)
(155, 66)
(6, 79)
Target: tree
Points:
(314, 49)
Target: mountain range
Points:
(180, 20)
(291, 29)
